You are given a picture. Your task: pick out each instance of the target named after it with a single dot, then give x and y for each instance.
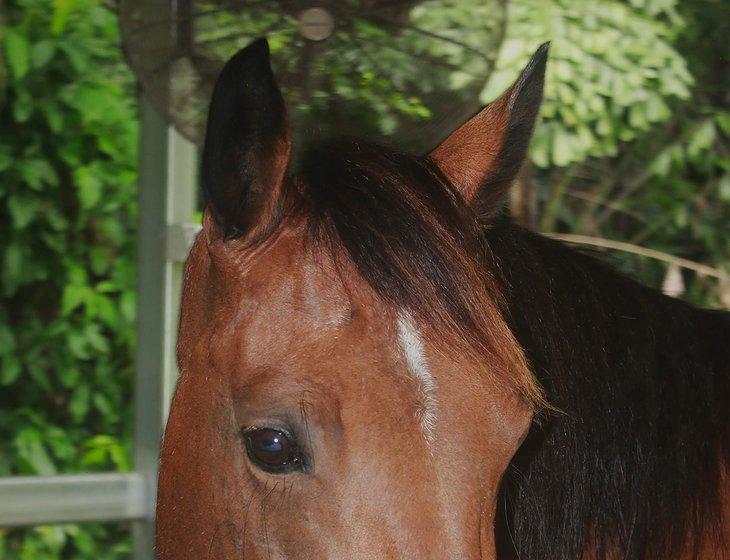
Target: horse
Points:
(376, 363)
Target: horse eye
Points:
(273, 450)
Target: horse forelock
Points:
(417, 244)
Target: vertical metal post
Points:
(167, 198)
(149, 385)
(182, 187)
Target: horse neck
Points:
(643, 383)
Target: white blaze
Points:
(412, 346)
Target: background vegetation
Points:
(68, 156)
(633, 146)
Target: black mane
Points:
(643, 382)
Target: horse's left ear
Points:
(247, 145)
(483, 156)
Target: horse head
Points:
(350, 387)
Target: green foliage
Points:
(53, 542)
(67, 245)
(612, 75)
(660, 178)
(682, 203)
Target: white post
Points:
(167, 204)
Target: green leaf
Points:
(54, 115)
(128, 306)
(24, 106)
(107, 311)
(120, 457)
(61, 11)
(69, 376)
(103, 406)
(17, 52)
(12, 268)
(30, 447)
(662, 164)
(6, 159)
(563, 148)
(702, 139)
(94, 458)
(9, 369)
(77, 56)
(74, 295)
(80, 402)
(723, 188)
(96, 340)
(99, 258)
(723, 121)
(38, 173)
(656, 108)
(41, 53)
(61, 443)
(55, 219)
(22, 210)
(540, 147)
(89, 187)
(78, 345)
(85, 543)
(39, 373)
(7, 339)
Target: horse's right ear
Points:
(247, 145)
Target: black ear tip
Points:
(527, 90)
(539, 59)
(259, 47)
(534, 73)
(255, 54)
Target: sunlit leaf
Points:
(17, 51)
(30, 447)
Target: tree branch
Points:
(699, 268)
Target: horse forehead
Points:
(307, 314)
(293, 283)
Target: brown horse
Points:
(376, 365)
